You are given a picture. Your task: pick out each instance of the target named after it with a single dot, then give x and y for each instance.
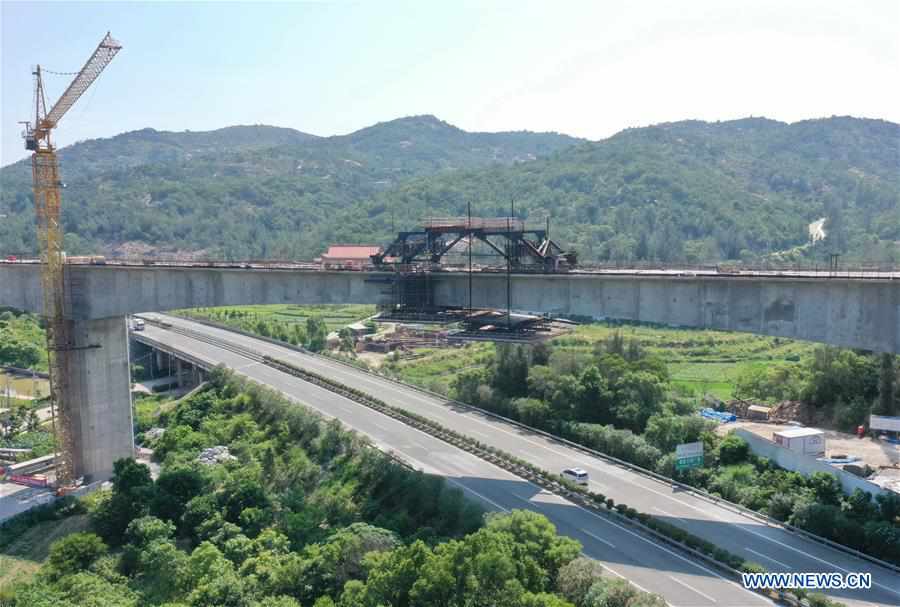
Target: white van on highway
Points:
(137, 324)
(576, 475)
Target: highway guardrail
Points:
(737, 508)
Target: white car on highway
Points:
(576, 475)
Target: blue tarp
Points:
(718, 415)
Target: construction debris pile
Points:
(215, 455)
(780, 413)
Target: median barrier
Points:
(737, 508)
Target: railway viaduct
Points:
(856, 311)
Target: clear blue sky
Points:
(584, 68)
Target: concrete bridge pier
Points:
(99, 391)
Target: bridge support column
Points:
(99, 390)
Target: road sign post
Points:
(688, 456)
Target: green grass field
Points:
(435, 368)
(335, 316)
(700, 362)
(704, 362)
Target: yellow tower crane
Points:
(45, 173)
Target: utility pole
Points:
(509, 245)
(469, 228)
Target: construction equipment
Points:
(45, 173)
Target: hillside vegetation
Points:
(306, 514)
(251, 191)
(685, 191)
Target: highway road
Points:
(774, 547)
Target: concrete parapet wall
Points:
(855, 313)
(804, 464)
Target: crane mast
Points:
(47, 201)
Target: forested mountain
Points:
(685, 191)
(244, 191)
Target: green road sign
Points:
(689, 455)
(687, 463)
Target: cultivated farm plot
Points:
(436, 368)
(335, 316)
(700, 362)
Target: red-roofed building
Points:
(349, 256)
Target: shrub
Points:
(75, 553)
(751, 567)
(733, 450)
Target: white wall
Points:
(804, 464)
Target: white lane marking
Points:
(379, 426)
(472, 491)
(598, 538)
(691, 588)
(663, 548)
(664, 512)
(594, 464)
(499, 427)
(768, 558)
(248, 366)
(678, 556)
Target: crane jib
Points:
(104, 53)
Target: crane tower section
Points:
(47, 207)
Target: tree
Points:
(541, 382)
(781, 506)
(827, 488)
(142, 531)
(566, 397)
(538, 547)
(838, 375)
(594, 397)
(665, 432)
(33, 420)
(577, 577)
(859, 505)
(176, 486)
(532, 411)
(75, 553)
(883, 540)
(316, 333)
(465, 386)
(347, 342)
(510, 372)
(611, 593)
(638, 395)
(540, 353)
(132, 493)
(887, 403)
(542, 599)
(888, 506)
(733, 450)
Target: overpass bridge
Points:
(849, 309)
